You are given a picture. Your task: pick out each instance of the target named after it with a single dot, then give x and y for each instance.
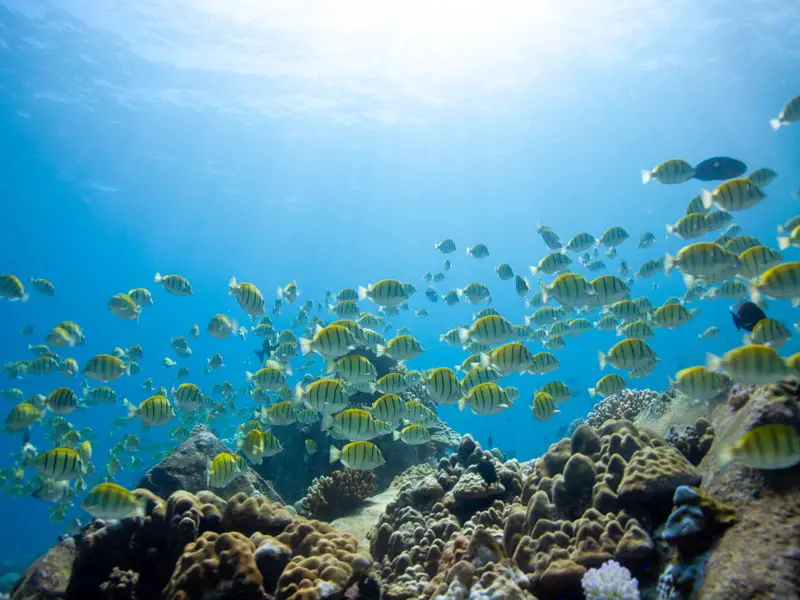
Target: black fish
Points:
(747, 316)
(490, 445)
(719, 168)
(487, 471)
(264, 352)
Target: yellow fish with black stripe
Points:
(702, 260)
(568, 289)
(112, 501)
(323, 395)
(673, 315)
(224, 468)
(544, 406)
(485, 399)
(268, 378)
(392, 383)
(671, 172)
(59, 464)
(768, 447)
(768, 332)
(608, 386)
(354, 368)
(44, 365)
(558, 390)
(257, 445)
(636, 329)
(390, 408)
(23, 416)
(174, 284)
(418, 413)
(11, 288)
(387, 292)
(249, 297)
(413, 435)
(627, 354)
(354, 424)
(757, 260)
(753, 364)
(780, 282)
(332, 341)
(280, 413)
(362, 456)
(552, 263)
(733, 194)
(492, 329)
(62, 401)
(105, 368)
(154, 411)
(401, 348)
(700, 383)
(442, 385)
(609, 289)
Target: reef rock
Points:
(758, 557)
(47, 578)
(186, 469)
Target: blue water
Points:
(335, 147)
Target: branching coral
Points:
(331, 497)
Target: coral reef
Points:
(332, 497)
(628, 404)
(693, 441)
(185, 469)
(200, 546)
(610, 581)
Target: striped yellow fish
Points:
(112, 501)
(268, 378)
(387, 292)
(609, 289)
(543, 362)
(757, 260)
(402, 348)
(174, 284)
(607, 323)
(750, 364)
(670, 316)
(492, 329)
(741, 243)
(353, 424)
(768, 447)
(558, 390)
(11, 288)
(762, 177)
(346, 309)
(280, 413)
(156, 410)
(323, 396)
(100, 395)
(394, 383)
(608, 386)
(577, 327)
(644, 369)
(188, 397)
(768, 332)
(123, 307)
(671, 172)
(221, 326)
(249, 297)
(504, 271)
(549, 236)
(624, 309)
(636, 329)
(60, 464)
(717, 219)
(568, 289)
(418, 413)
(543, 406)
(580, 242)
(62, 401)
(332, 341)
(552, 263)
(509, 358)
(442, 385)
(474, 292)
(780, 282)
(224, 468)
(485, 399)
(23, 416)
(43, 286)
(613, 237)
(700, 383)
(413, 435)
(44, 365)
(627, 354)
(688, 227)
(733, 289)
(545, 315)
(58, 337)
(362, 456)
(354, 368)
(141, 296)
(105, 367)
(702, 260)
(696, 206)
(390, 408)
(733, 194)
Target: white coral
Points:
(610, 582)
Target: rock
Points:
(186, 469)
(47, 578)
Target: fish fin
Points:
(795, 302)
(132, 410)
(784, 243)
(158, 278)
(713, 362)
(647, 176)
(381, 350)
(334, 454)
(670, 231)
(724, 455)
(141, 507)
(775, 124)
(462, 403)
(463, 335)
(327, 421)
(232, 286)
(534, 270)
(708, 198)
(592, 392)
(395, 435)
(602, 359)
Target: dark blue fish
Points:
(719, 168)
(747, 316)
(487, 471)
(264, 352)
(490, 445)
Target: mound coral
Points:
(331, 497)
(610, 582)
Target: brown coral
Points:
(251, 514)
(331, 497)
(219, 566)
